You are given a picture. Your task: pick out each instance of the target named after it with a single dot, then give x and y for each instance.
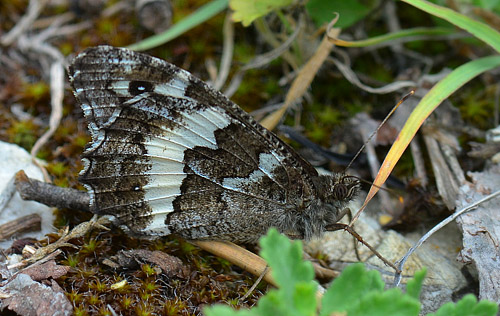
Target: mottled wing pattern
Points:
(171, 155)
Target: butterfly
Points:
(170, 155)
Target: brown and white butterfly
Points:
(170, 155)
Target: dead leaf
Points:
(30, 298)
(46, 270)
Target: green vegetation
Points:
(356, 291)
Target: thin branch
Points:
(351, 76)
(227, 52)
(402, 261)
(34, 9)
(51, 195)
(19, 225)
(56, 98)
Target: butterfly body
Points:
(170, 155)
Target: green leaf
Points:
(275, 304)
(480, 30)
(350, 12)
(294, 276)
(349, 288)
(467, 306)
(442, 90)
(246, 11)
(356, 292)
(223, 310)
(196, 18)
(408, 35)
(391, 302)
(486, 4)
(297, 293)
(304, 298)
(285, 259)
(414, 285)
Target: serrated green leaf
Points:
(296, 295)
(467, 306)
(391, 302)
(246, 11)
(223, 310)
(285, 259)
(349, 288)
(485, 308)
(446, 309)
(414, 285)
(304, 298)
(273, 304)
(356, 292)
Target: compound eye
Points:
(340, 191)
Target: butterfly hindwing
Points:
(171, 155)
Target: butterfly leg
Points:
(344, 212)
(350, 230)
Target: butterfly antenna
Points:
(412, 92)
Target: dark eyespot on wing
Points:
(138, 87)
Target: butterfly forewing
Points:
(171, 155)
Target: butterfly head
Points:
(329, 204)
(345, 188)
(337, 189)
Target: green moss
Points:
(330, 116)
(150, 286)
(244, 52)
(80, 311)
(148, 270)
(23, 133)
(81, 140)
(93, 299)
(127, 302)
(106, 26)
(71, 260)
(44, 154)
(226, 265)
(74, 297)
(317, 134)
(144, 309)
(98, 286)
(86, 272)
(58, 169)
(477, 109)
(90, 247)
(37, 90)
(104, 311)
(146, 291)
(187, 248)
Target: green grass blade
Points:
(442, 90)
(407, 36)
(480, 30)
(196, 18)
